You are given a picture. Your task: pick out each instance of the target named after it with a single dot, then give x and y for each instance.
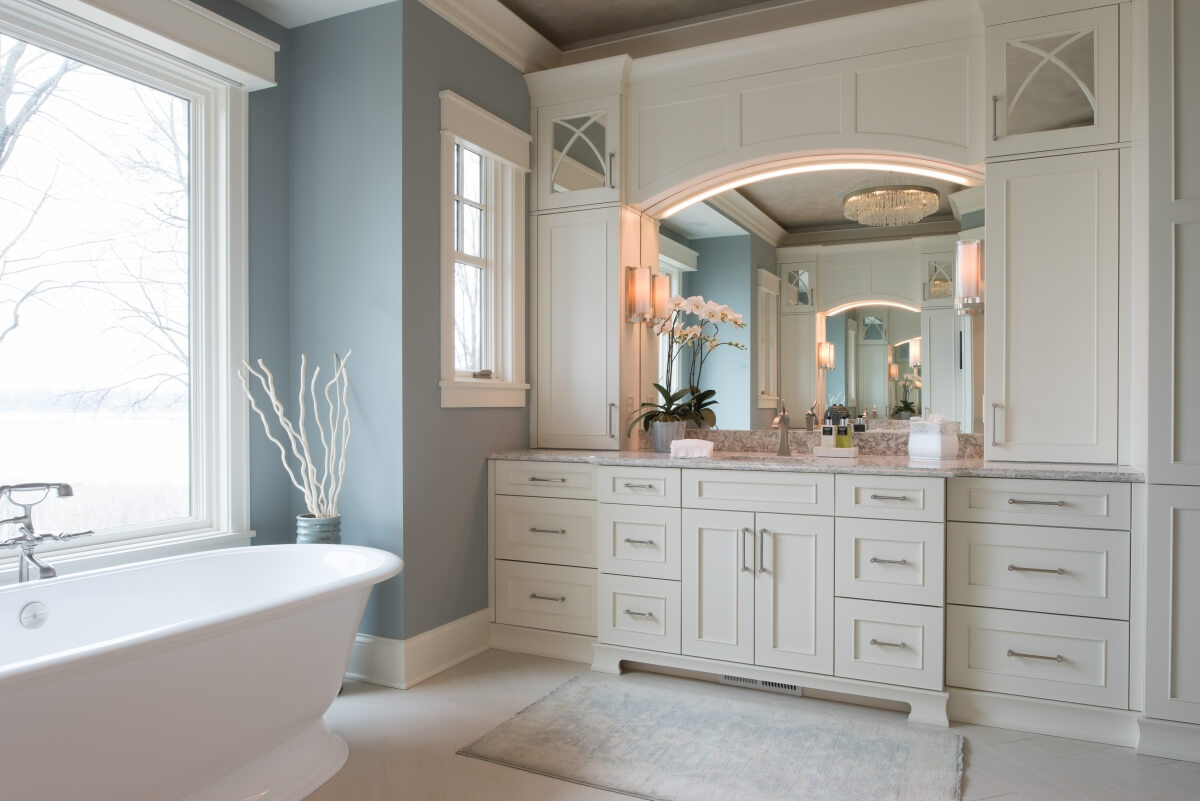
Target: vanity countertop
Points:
(807, 463)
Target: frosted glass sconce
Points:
(662, 298)
(826, 356)
(639, 291)
(968, 277)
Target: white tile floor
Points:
(403, 743)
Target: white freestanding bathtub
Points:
(200, 677)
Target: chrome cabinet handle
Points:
(1019, 502)
(745, 567)
(540, 480)
(639, 486)
(547, 530)
(556, 598)
(889, 497)
(1055, 658)
(1057, 570)
(612, 181)
(762, 555)
(640, 542)
(995, 406)
(888, 644)
(611, 408)
(995, 117)
(638, 614)
(875, 560)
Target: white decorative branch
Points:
(320, 481)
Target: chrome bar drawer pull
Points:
(639, 614)
(888, 644)
(639, 486)
(1055, 658)
(632, 541)
(762, 553)
(555, 598)
(889, 497)
(1019, 502)
(746, 532)
(540, 480)
(1057, 570)
(547, 531)
(875, 560)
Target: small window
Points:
(484, 161)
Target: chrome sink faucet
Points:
(27, 497)
(781, 422)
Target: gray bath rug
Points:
(670, 739)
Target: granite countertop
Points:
(807, 463)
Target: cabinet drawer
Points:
(891, 497)
(638, 612)
(1075, 659)
(546, 479)
(1069, 571)
(556, 531)
(639, 541)
(759, 491)
(889, 643)
(546, 597)
(890, 560)
(646, 486)
(1081, 504)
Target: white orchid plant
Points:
(319, 479)
(701, 337)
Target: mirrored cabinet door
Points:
(579, 153)
(1053, 82)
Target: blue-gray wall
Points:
(344, 253)
(835, 379)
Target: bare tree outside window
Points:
(95, 264)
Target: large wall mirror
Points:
(862, 311)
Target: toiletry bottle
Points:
(860, 424)
(827, 436)
(844, 439)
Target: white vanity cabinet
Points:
(1050, 294)
(1053, 82)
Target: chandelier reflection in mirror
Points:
(899, 204)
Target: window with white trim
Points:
(484, 162)
(122, 308)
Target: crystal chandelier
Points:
(890, 205)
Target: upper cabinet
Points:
(579, 153)
(1054, 82)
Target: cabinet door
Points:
(793, 620)
(798, 362)
(1053, 82)
(579, 153)
(1050, 315)
(718, 585)
(941, 370)
(577, 329)
(1173, 605)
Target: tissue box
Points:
(691, 449)
(932, 440)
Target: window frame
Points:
(505, 152)
(187, 55)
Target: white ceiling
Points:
(701, 221)
(294, 13)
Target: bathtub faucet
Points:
(27, 497)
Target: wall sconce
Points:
(914, 352)
(968, 277)
(662, 298)
(639, 294)
(894, 372)
(826, 356)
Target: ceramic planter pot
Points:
(662, 432)
(325, 530)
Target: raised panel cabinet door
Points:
(1050, 309)
(1173, 604)
(941, 371)
(579, 153)
(798, 363)
(1053, 82)
(718, 585)
(577, 329)
(793, 596)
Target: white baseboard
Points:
(1076, 721)
(554, 644)
(406, 663)
(1166, 738)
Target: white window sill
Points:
(481, 392)
(768, 401)
(79, 557)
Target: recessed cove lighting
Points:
(858, 304)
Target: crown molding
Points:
(499, 30)
(873, 234)
(966, 201)
(738, 208)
